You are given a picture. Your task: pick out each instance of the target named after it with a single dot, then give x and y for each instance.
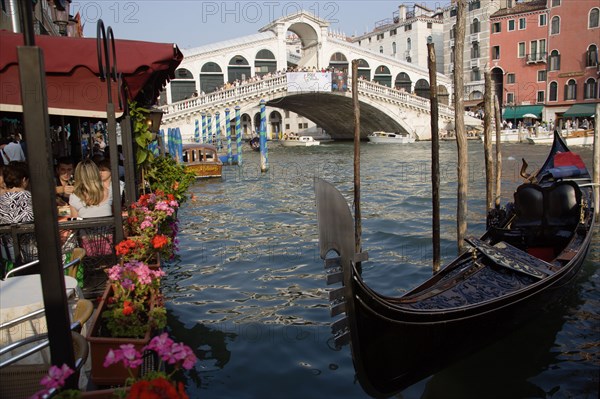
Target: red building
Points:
(544, 58)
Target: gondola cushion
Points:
(529, 204)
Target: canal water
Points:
(249, 293)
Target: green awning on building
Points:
(518, 111)
(580, 110)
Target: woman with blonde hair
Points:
(90, 198)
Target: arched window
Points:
(264, 63)
(475, 26)
(403, 82)
(591, 59)
(393, 47)
(364, 71)
(183, 86)
(381, 49)
(408, 44)
(475, 50)
(554, 60)
(555, 26)
(383, 76)
(589, 89)
(553, 95)
(594, 20)
(339, 61)
(571, 90)
(211, 77)
(452, 31)
(422, 88)
(238, 69)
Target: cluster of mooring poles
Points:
(205, 134)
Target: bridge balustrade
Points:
(278, 83)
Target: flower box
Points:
(115, 374)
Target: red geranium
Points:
(160, 241)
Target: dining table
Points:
(20, 296)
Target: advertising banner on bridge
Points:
(308, 82)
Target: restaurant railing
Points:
(94, 235)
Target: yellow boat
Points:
(202, 159)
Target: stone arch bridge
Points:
(381, 107)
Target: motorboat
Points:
(390, 138)
(202, 160)
(294, 140)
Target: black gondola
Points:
(255, 143)
(515, 268)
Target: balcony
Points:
(537, 58)
(474, 63)
(474, 37)
(452, 43)
(408, 54)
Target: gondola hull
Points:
(477, 298)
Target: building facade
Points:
(50, 17)
(476, 45)
(405, 35)
(544, 59)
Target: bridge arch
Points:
(183, 85)
(443, 95)
(364, 70)
(211, 77)
(339, 61)
(403, 82)
(309, 40)
(264, 62)
(422, 88)
(383, 76)
(238, 68)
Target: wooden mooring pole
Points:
(459, 122)
(356, 106)
(487, 144)
(596, 161)
(498, 117)
(435, 157)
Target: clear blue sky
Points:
(192, 23)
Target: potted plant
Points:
(130, 309)
(151, 227)
(155, 384)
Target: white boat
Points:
(573, 138)
(293, 140)
(510, 136)
(390, 138)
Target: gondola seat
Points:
(545, 217)
(563, 201)
(529, 206)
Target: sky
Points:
(193, 23)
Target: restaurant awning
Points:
(580, 110)
(518, 111)
(73, 85)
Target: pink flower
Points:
(127, 284)
(131, 357)
(160, 343)
(113, 357)
(56, 377)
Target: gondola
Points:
(255, 143)
(520, 264)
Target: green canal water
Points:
(249, 293)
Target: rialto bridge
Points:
(232, 77)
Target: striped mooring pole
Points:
(203, 127)
(238, 134)
(228, 135)
(264, 153)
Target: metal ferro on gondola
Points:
(109, 73)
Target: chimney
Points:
(402, 12)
